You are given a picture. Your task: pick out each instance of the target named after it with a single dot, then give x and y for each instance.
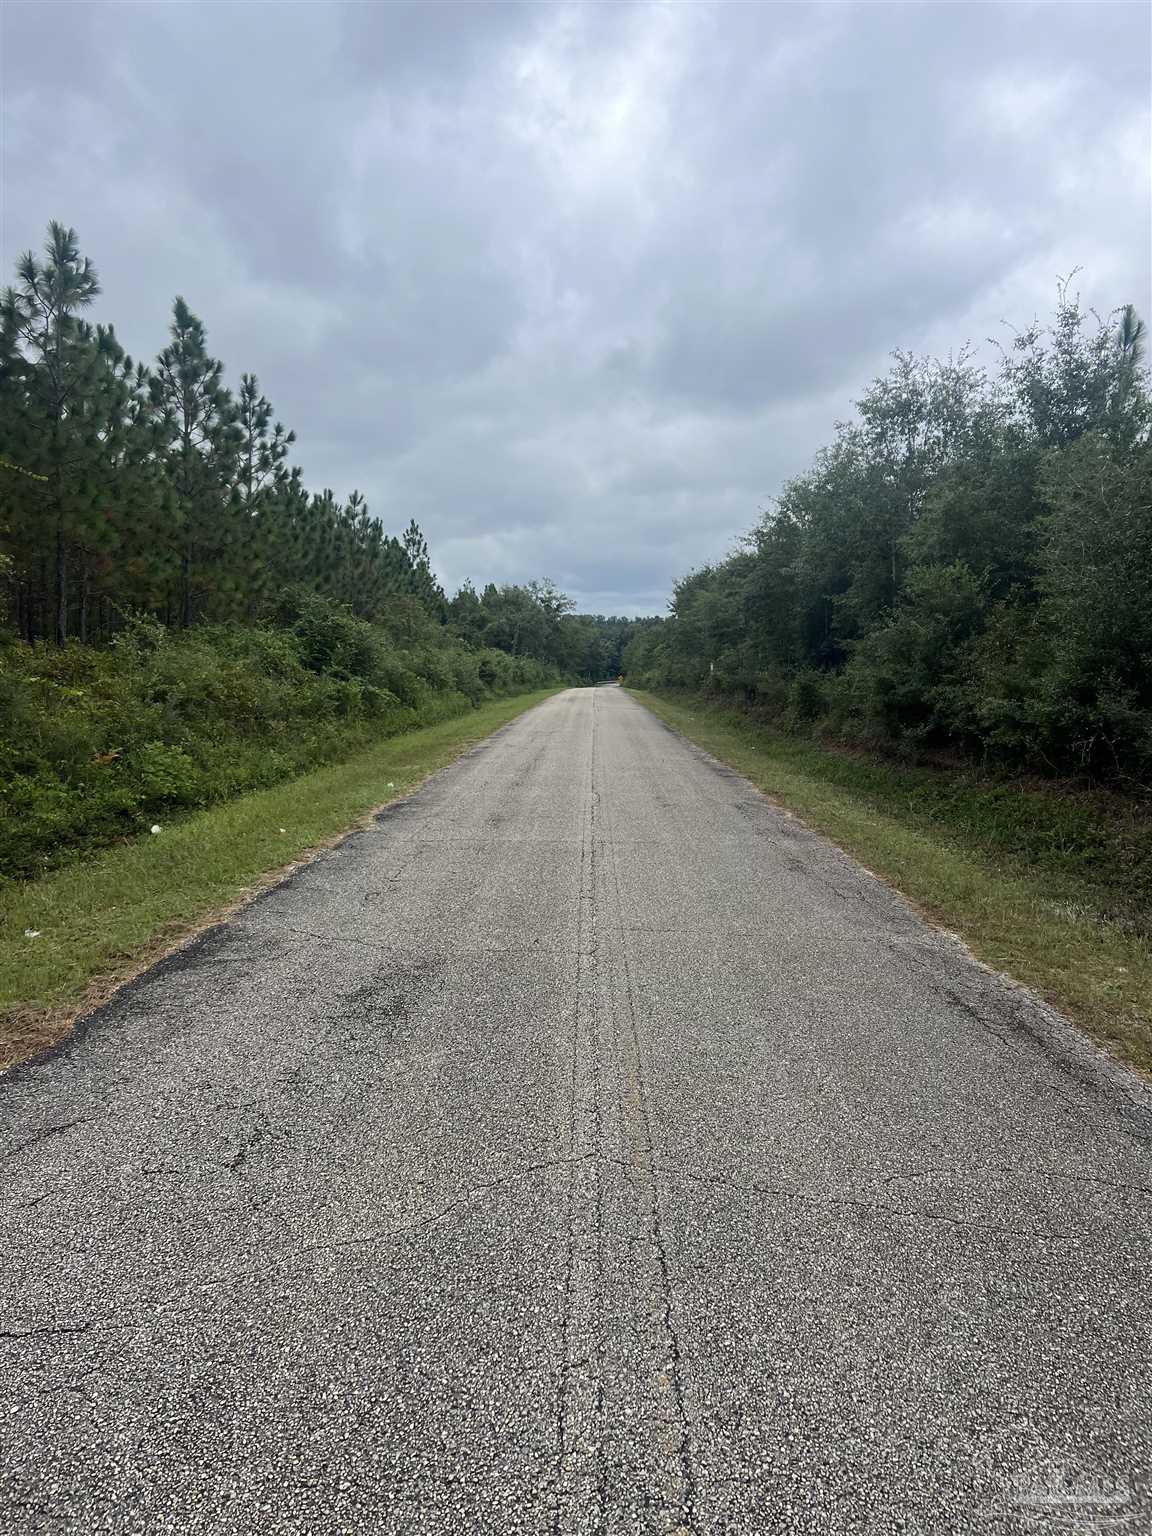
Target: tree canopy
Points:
(130, 490)
(966, 567)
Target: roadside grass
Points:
(1048, 884)
(99, 921)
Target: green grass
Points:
(1049, 884)
(100, 919)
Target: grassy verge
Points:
(99, 921)
(1051, 886)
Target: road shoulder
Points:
(70, 941)
(1018, 921)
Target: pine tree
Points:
(423, 583)
(262, 445)
(262, 449)
(50, 362)
(123, 559)
(202, 441)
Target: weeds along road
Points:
(587, 1148)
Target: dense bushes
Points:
(99, 743)
(968, 567)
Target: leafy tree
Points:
(1078, 375)
(967, 565)
(1095, 588)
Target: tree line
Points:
(182, 620)
(156, 490)
(538, 620)
(133, 489)
(966, 567)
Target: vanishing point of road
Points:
(585, 1148)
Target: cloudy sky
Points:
(578, 286)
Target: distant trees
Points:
(537, 620)
(598, 644)
(968, 565)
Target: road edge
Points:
(1071, 1048)
(70, 1023)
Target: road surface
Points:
(586, 1148)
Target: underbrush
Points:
(96, 745)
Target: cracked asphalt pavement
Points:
(587, 1147)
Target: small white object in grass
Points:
(391, 786)
(155, 827)
(31, 933)
(283, 829)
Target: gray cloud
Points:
(578, 286)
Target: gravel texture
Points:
(585, 1148)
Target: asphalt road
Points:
(586, 1148)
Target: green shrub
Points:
(96, 744)
(807, 699)
(163, 774)
(331, 639)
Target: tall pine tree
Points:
(50, 363)
(202, 441)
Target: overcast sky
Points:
(578, 287)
